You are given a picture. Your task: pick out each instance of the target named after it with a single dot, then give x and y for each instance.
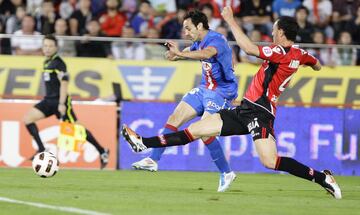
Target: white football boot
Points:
(146, 164)
(133, 139)
(331, 186)
(225, 180)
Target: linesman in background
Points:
(56, 100)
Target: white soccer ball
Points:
(45, 164)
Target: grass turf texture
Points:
(138, 192)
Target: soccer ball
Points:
(45, 164)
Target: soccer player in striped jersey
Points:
(216, 91)
(256, 113)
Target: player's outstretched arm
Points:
(172, 57)
(206, 53)
(317, 66)
(241, 39)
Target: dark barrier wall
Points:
(323, 138)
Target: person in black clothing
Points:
(56, 101)
(88, 48)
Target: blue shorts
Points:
(204, 100)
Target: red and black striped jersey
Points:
(279, 66)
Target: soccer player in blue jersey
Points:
(217, 89)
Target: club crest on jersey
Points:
(206, 66)
(252, 125)
(267, 51)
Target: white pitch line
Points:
(59, 208)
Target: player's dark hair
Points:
(197, 17)
(289, 26)
(51, 37)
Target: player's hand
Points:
(173, 47)
(170, 56)
(62, 109)
(227, 14)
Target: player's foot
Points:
(225, 180)
(146, 164)
(330, 185)
(32, 157)
(133, 139)
(104, 158)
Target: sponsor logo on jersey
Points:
(267, 51)
(146, 82)
(294, 64)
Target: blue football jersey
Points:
(217, 71)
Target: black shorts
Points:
(247, 118)
(50, 106)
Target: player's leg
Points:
(218, 157)
(33, 115)
(182, 113)
(71, 117)
(223, 123)
(266, 148)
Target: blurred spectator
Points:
(345, 56)
(13, 23)
(143, 20)
(128, 7)
(45, 19)
(163, 11)
(163, 7)
(256, 14)
(208, 10)
(98, 7)
(128, 50)
(306, 29)
(6, 9)
(66, 47)
(33, 6)
(255, 36)
(112, 21)
(87, 48)
(285, 7)
(25, 45)
(234, 4)
(324, 55)
(5, 47)
(356, 33)
(154, 51)
(173, 28)
(80, 18)
(67, 8)
(344, 12)
(320, 15)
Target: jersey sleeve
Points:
(194, 46)
(307, 59)
(271, 53)
(62, 71)
(219, 44)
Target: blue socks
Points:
(217, 154)
(157, 152)
(212, 144)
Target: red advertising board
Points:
(17, 146)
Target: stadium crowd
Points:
(320, 21)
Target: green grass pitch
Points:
(138, 192)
